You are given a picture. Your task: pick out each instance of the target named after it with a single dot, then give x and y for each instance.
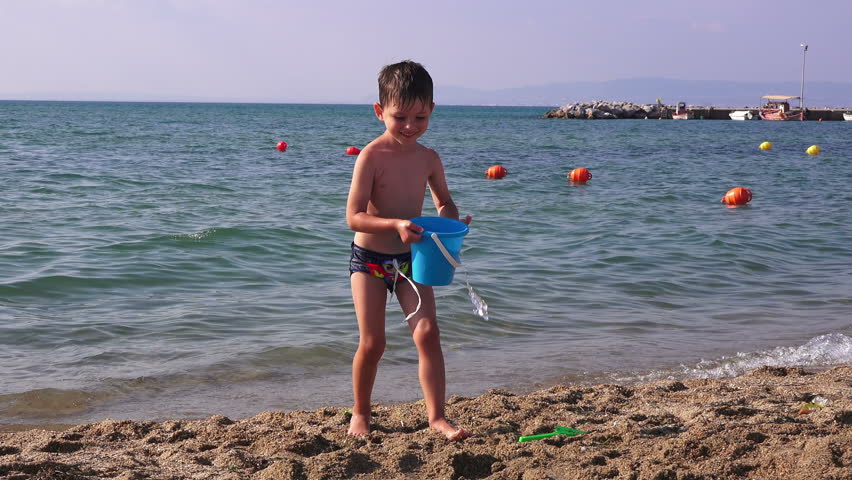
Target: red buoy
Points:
(282, 146)
(352, 150)
(737, 196)
(496, 172)
(580, 175)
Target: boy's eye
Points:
(421, 118)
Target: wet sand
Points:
(753, 426)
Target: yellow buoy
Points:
(766, 146)
(813, 150)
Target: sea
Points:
(165, 260)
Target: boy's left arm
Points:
(441, 193)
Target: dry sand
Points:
(746, 427)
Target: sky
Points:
(316, 51)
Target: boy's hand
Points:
(467, 220)
(409, 232)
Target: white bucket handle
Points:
(443, 250)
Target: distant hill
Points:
(636, 90)
(647, 90)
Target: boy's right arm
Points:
(359, 198)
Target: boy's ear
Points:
(378, 109)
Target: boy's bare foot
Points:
(447, 429)
(359, 425)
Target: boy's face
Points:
(405, 125)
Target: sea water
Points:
(480, 308)
(165, 260)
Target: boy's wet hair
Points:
(404, 83)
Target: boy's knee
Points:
(426, 332)
(372, 349)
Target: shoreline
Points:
(748, 426)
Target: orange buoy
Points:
(737, 196)
(352, 150)
(580, 175)
(495, 172)
(282, 146)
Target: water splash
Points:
(480, 308)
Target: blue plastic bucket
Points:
(429, 265)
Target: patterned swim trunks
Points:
(379, 265)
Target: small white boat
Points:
(741, 115)
(681, 113)
(847, 116)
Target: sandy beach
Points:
(754, 426)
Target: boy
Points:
(388, 186)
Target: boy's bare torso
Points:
(398, 189)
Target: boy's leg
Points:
(369, 295)
(427, 337)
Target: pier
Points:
(603, 110)
(721, 113)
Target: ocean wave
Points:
(273, 366)
(823, 351)
(48, 403)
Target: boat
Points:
(847, 116)
(777, 108)
(741, 115)
(681, 113)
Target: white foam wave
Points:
(823, 351)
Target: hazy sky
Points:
(331, 51)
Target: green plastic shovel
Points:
(556, 431)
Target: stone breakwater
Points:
(609, 110)
(612, 110)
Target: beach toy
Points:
(813, 150)
(352, 150)
(496, 172)
(809, 407)
(580, 175)
(737, 196)
(282, 146)
(765, 146)
(435, 257)
(556, 431)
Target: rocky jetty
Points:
(609, 110)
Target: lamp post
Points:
(802, 94)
